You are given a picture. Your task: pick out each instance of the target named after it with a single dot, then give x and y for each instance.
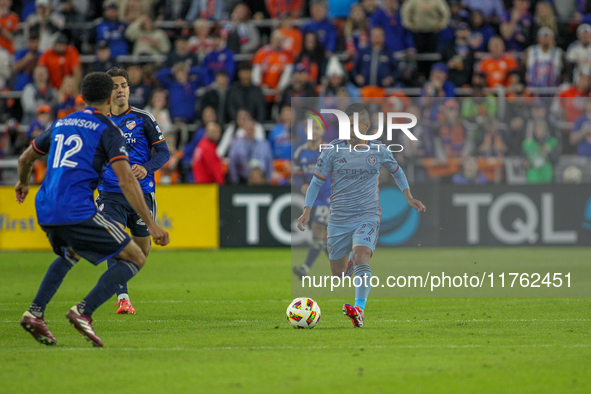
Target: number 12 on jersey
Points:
(74, 140)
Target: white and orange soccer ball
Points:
(303, 312)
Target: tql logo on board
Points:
(345, 128)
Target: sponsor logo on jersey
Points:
(130, 124)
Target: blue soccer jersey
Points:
(142, 133)
(355, 193)
(304, 165)
(79, 145)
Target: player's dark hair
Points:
(356, 107)
(118, 72)
(96, 88)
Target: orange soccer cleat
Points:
(125, 307)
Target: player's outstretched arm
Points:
(25, 166)
(311, 195)
(134, 194)
(402, 183)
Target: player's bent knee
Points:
(361, 255)
(133, 253)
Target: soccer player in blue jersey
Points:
(304, 164)
(355, 210)
(142, 134)
(78, 146)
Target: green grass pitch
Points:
(214, 322)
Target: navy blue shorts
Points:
(96, 239)
(115, 206)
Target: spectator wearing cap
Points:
(312, 57)
(216, 98)
(245, 94)
(516, 26)
(272, 66)
(207, 166)
(438, 85)
(218, 59)
(482, 32)
(453, 139)
(147, 39)
(25, 61)
(375, 66)
(398, 37)
(111, 30)
(48, 23)
(491, 10)
(578, 54)
(8, 26)
(457, 15)
(543, 62)
(38, 93)
(322, 26)
(61, 60)
(336, 81)
(181, 53)
(41, 122)
(459, 57)
(104, 61)
(425, 18)
(242, 36)
(497, 64)
(247, 152)
(300, 86)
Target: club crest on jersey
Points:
(130, 124)
(372, 160)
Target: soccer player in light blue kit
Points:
(355, 210)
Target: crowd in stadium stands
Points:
(220, 80)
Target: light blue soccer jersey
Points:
(355, 194)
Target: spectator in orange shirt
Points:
(497, 64)
(207, 166)
(571, 101)
(277, 8)
(8, 25)
(272, 66)
(61, 60)
(67, 96)
(293, 36)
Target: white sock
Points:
(123, 296)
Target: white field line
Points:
(217, 348)
(160, 302)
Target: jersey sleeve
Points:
(113, 142)
(153, 132)
(324, 164)
(42, 143)
(389, 162)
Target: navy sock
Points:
(118, 274)
(122, 289)
(54, 277)
(314, 250)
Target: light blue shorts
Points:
(341, 239)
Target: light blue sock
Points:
(361, 292)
